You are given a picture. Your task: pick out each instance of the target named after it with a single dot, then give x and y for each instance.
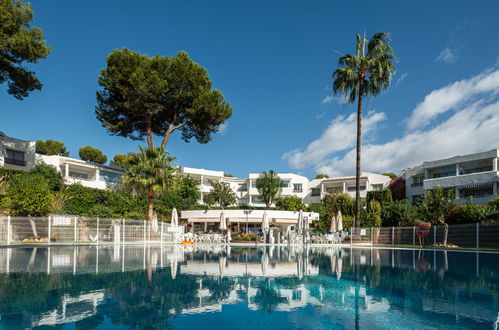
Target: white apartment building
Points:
(293, 185)
(20, 154)
(86, 173)
(473, 176)
(16, 154)
(318, 188)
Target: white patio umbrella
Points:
(265, 222)
(339, 267)
(221, 265)
(155, 222)
(174, 217)
(265, 264)
(173, 267)
(332, 227)
(300, 220)
(223, 223)
(339, 221)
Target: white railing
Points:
(71, 229)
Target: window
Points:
(476, 192)
(417, 181)
(377, 186)
(253, 184)
(334, 189)
(285, 184)
(78, 175)
(242, 187)
(257, 200)
(297, 187)
(243, 201)
(109, 177)
(352, 188)
(14, 157)
(316, 192)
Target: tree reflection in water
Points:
(448, 288)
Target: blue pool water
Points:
(220, 287)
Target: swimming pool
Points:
(221, 287)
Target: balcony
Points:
(460, 180)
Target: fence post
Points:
(393, 235)
(97, 237)
(372, 236)
(478, 235)
(75, 224)
(144, 232)
(413, 235)
(435, 236)
(9, 231)
(123, 225)
(49, 229)
(162, 223)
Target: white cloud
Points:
(320, 115)
(340, 135)
(447, 55)
(222, 129)
(327, 99)
(451, 96)
(472, 127)
(402, 77)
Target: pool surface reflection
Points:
(214, 287)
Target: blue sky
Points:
(273, 61)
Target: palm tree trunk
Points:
(357, 168)
(149, 204)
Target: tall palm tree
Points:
(269, 187)
(149, 170)
(366, 73)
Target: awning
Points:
(477, 185)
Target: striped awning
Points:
(477, 185)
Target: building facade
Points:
(473, 176)
(16, 154)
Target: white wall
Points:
(28, 147)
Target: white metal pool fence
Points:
(473, 235)
(71, 229)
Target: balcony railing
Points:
(417, 184)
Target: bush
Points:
(79, 200)
(50, 173)
(397, 213)
(101, 211)
(290, 203)
(334, 202)
(29, 195)
(494, 202)
(469, 213)
(382, 196)
(348, 222)
(372, 217)
(397, 187)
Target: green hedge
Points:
(382, 196)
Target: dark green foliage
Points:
(183, 196)
(321, 176)
(334, 202)
(221, 194)
(469, 213)
(397, 187)
(79, 200)
(29, 195)
(371, 217)
(50, 173)
(92, 154)
(382, 196)
(391, 175)
(437, 205)
(269, 187)
(122, 160)
(20, 44)
(397, 213)
(228, 175)
(143, 96)
(51, 147)
(290, 203)
(494, 202)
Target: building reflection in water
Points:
(62, 285)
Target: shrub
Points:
(397, 213)
(469, 213)
(101, 211)
(290, 203)
(397, 187)
(334, 202)
(348, 222)
(50, 173)
(494, 202)
(29, 195)
(79, 200)
(372, 217)
(382, 196)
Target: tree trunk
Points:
(150, 141)
(150, 204)
(33, 227)
(446, 232)
(357, 167)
